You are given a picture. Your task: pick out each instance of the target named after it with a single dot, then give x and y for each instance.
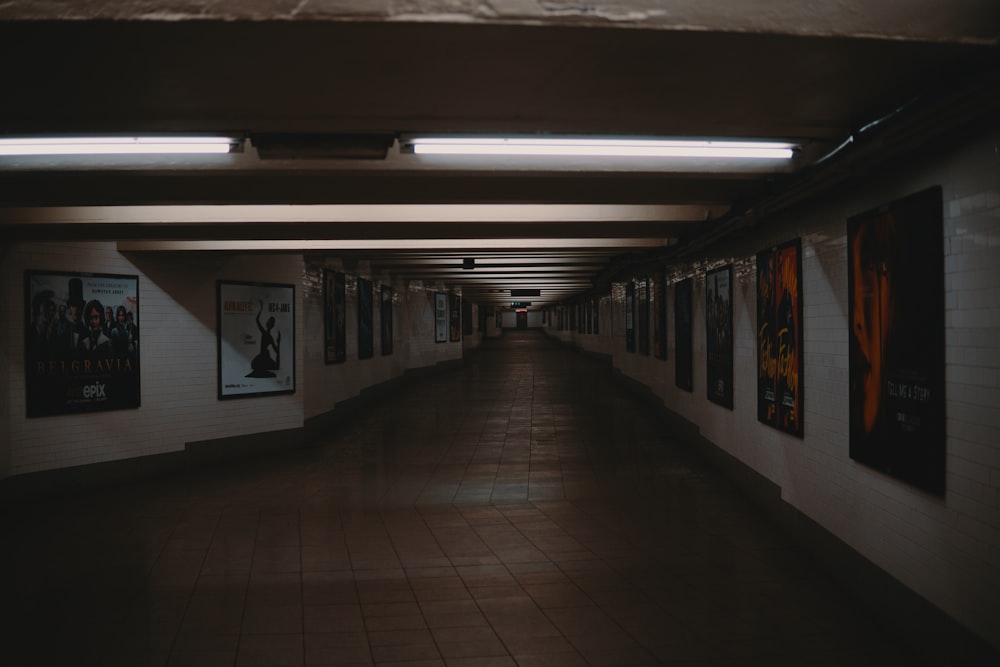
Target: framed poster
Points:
(779, 337)
(454, 317)
(256, 339)
(366, 319)
(467, 318)
(334, 320)
(597, 316)
(630, 317)
(683, 335)
(81, 342)
(719, 335)
(642, 314)
(440, 317)
(659, 287)
(896, 359)
(386, 320)
(499, 318)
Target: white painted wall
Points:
(177, 319)
(947, 549)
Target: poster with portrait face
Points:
(256, 339)
(334, 311)
(683, 336)
(719, 335)
(896, 313)
(81, 342)
(779, 337)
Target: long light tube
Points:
(116, 145)
(584, 147)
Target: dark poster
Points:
(629, 317)
(779, 337)
(81, 343)
(454, 317)
(334, 310)
(683, 336)
(366, 320)
(597, 316)
(467, 320)
(642, 315)
(719, 335)
(386, 320)
(659, 287)
(896, 307)
(589, 316)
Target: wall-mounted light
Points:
(120, 145)
(597, 147)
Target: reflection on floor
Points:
(519, 511)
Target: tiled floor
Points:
(520, 511)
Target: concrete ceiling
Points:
(312, 77)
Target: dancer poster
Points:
(629, 317)
(366, 319)
(779, 337)
(386, 320)
(256, 339)
(896, 310)
(81, 342)
(719, 335)
(659, 287)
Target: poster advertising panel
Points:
(630, 317)
(334, 311)
(779, 337)
(719, 335)
(683, 336)
(386, 320)
(441, 317)
(366, 319)
(896, 312)
(659, 287)
(454, 318)
(256, 339)
(81, 342)
(642, 314)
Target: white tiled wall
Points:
(179, 387)
(947, 548)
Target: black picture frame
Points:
(719, 335)
(895, 270)
(253, 361)
(440, 317)
(385, 321)
(630, 316)
(684, 334)
(454, 318)
(366, 319)
(659, 314)
(69, 366)
(334, 317)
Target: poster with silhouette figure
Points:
(256, 339)
(334, 317)
(454, 317)
(81, 342)
(896, 313)
(719, 335)
(683, 336)
(779, 337)
(659, 287)
(630, 316)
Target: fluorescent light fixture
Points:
(167, 145)
(585, 147)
